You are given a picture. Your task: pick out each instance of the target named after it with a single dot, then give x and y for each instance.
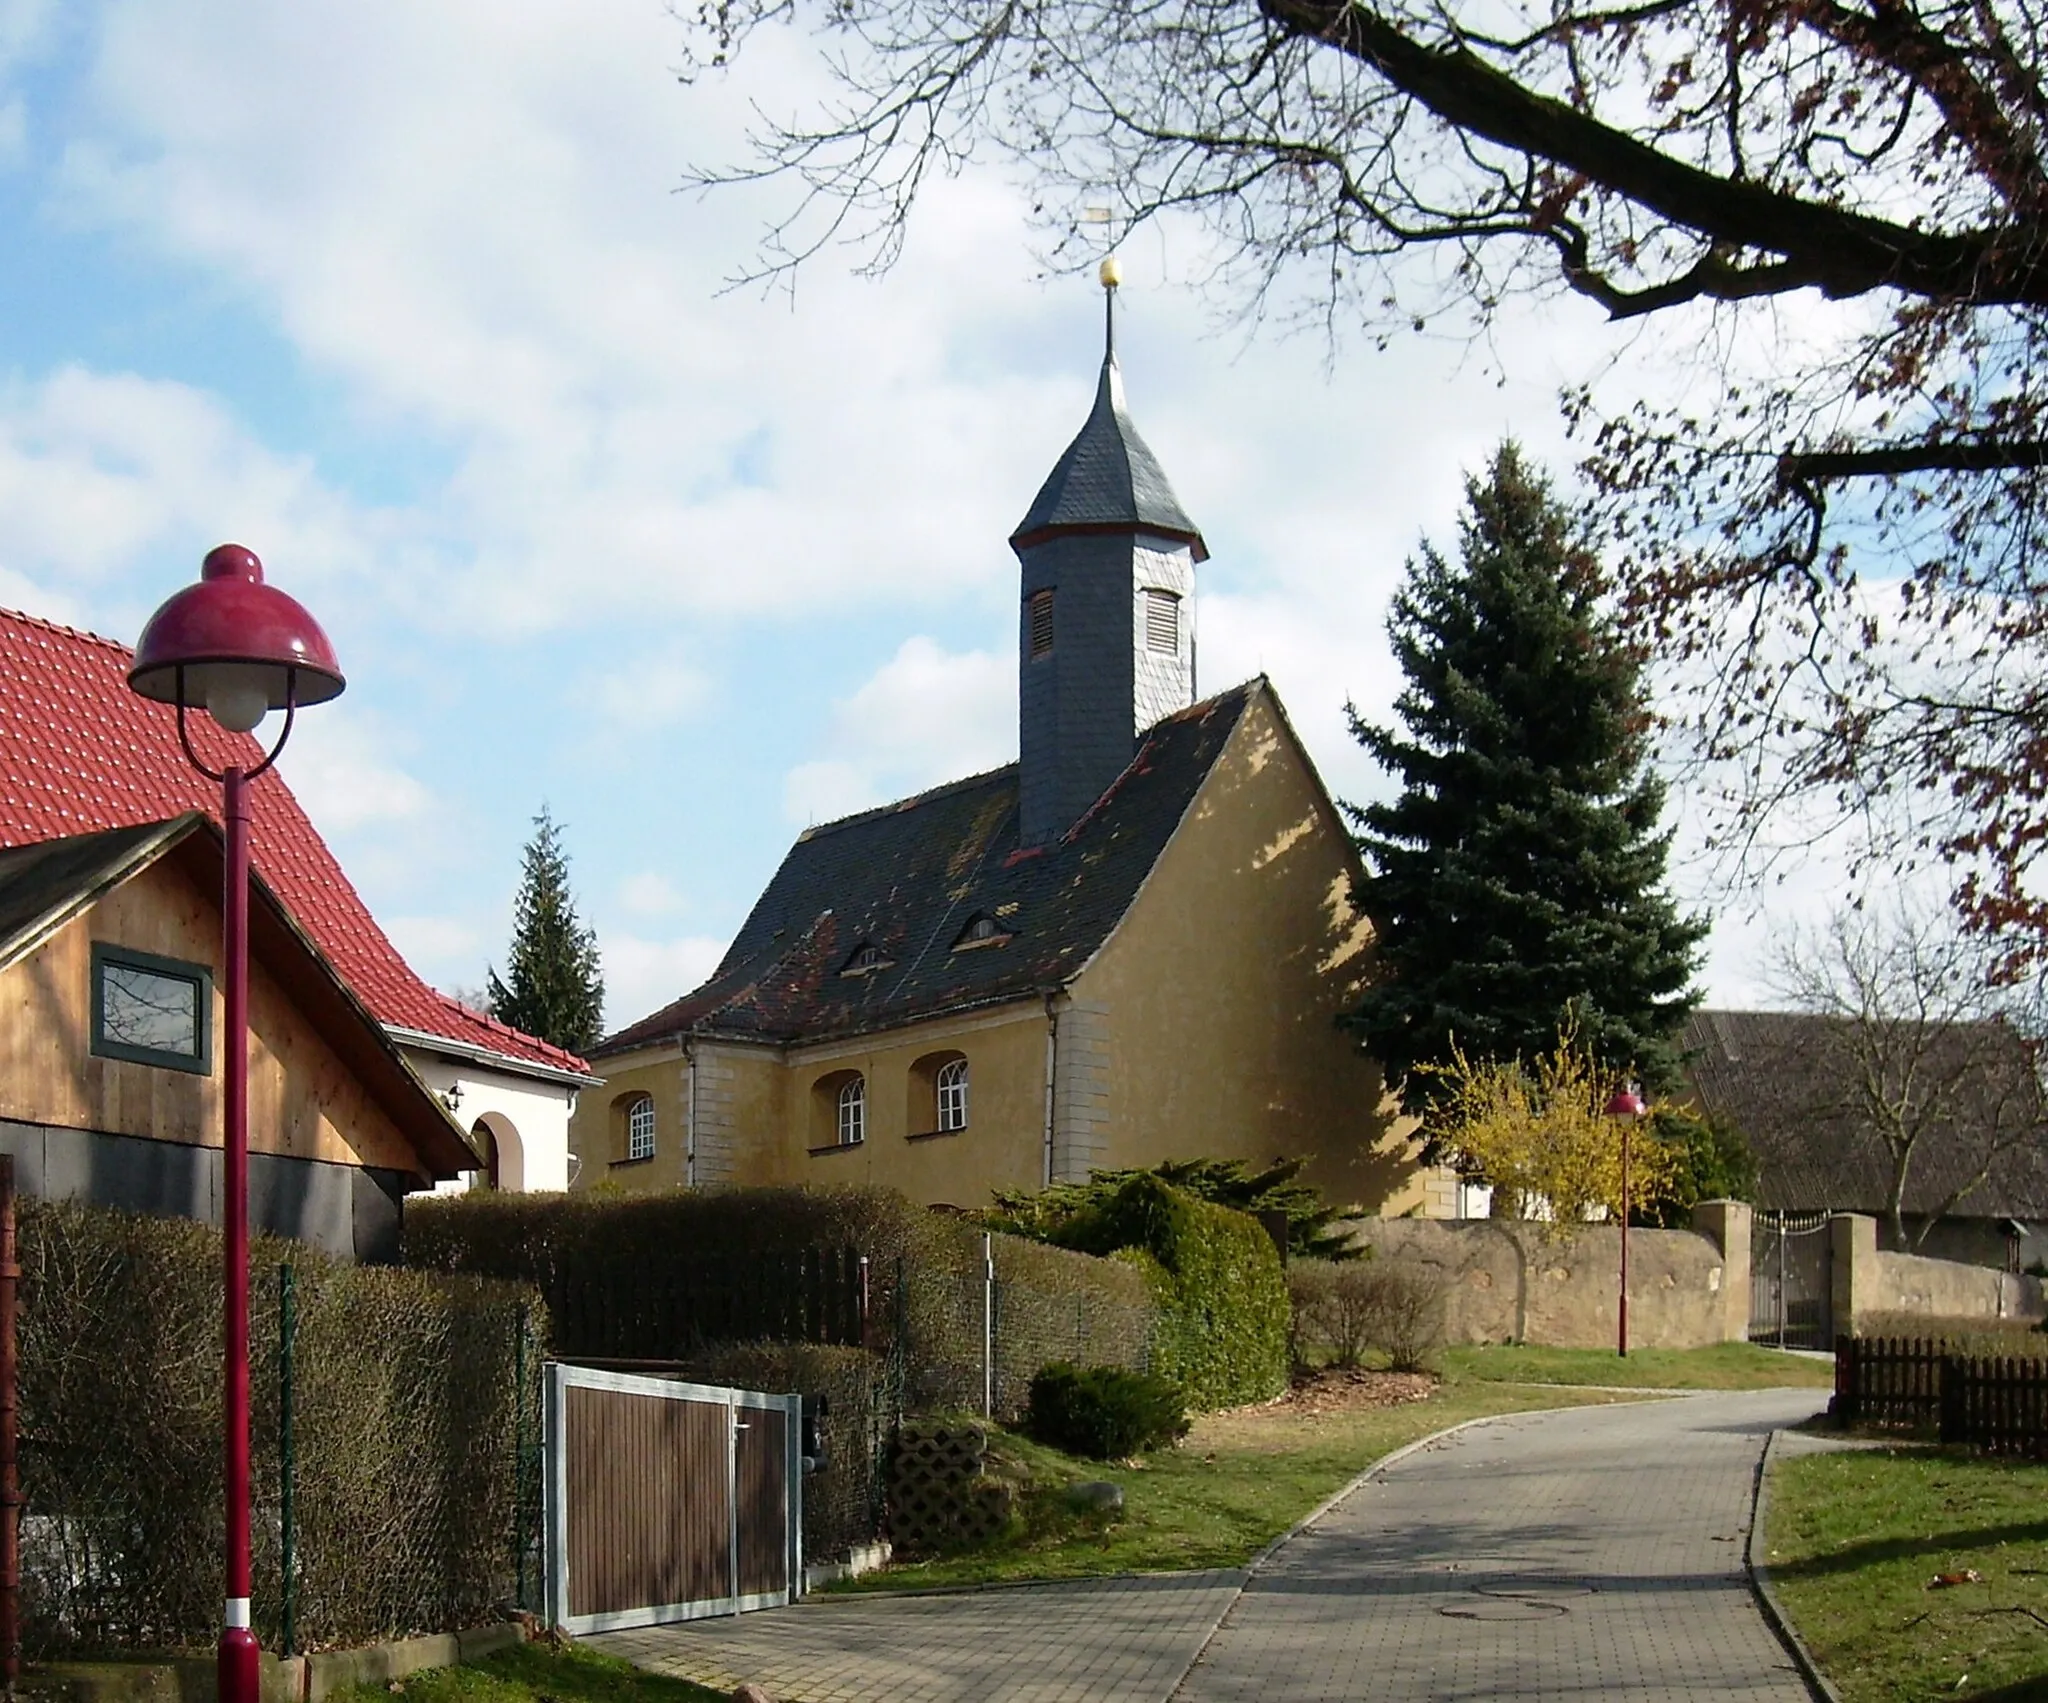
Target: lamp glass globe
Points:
(238, 705)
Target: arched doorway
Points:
(487, 1150)
(504, 1156)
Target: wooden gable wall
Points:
(304, 1101)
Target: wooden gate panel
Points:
(761, 1475)
(668, 1500)
(647, 1478)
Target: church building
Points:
(1130, 945)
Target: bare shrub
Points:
(1410, 1315)
(1337, 1311)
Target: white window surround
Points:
(853, 1112)
(952, 1092)
(640, 1128)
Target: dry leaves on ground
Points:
(1332, 1391)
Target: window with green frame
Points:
(151, 1010)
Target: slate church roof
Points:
(1788, 1082)
(910, 882)
(1108, 479)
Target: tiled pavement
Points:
(1102, 1640)
(1592, 1552)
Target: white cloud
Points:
(642, 975)
(649, 894)
(927, 716)
(105, 473)
(541, 302)
(647, 693)
(432, 940)
(341, 770)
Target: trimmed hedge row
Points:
(670, 1276)
(410, 1495)
(1216, 1279)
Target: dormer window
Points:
(866, 960)
(1039, 611)
(981, 930)
(1162, 622)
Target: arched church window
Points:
(952, 1085)
(853, 1112)
(640, 1128)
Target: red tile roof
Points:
(79, 752)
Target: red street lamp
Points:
(236, 648)
(1627, 1105)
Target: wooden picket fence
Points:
(1998, 1403)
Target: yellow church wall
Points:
(304, 1102)
(1217, 995)
(769, 1115)
(597, 1128)
(1001, 1147)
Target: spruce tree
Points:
(1518, 875)
(553, 986)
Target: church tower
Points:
(1106, 629)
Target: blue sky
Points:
(401, 294)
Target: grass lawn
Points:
(535, 1673)
(1854, 1540)
(1237, 1482)
(1726, 1366)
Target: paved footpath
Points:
(1593, 1552)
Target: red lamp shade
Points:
(233, 646)
(1627, 1103)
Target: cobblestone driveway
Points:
(1593, 1552)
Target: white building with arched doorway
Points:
(516, 1110)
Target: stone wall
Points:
(1517, 1282)
(1868, 1281)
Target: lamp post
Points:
(238, 649)
(1627, 1105)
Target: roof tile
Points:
(80, 752)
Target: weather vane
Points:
(1110, 274)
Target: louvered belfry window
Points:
(1041, 623)
(1162, 621)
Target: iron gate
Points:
(1791, 1280)
(668, 1501)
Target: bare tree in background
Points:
(1836, 204)
(1920, 1051)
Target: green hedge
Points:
(1216, 1278)
(411, 1499)
(670, 1276)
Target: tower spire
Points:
(1106, 643)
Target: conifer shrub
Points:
(1103, 1412)
(1221, 1332)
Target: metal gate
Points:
(668, 1501)
(1791, 1280)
